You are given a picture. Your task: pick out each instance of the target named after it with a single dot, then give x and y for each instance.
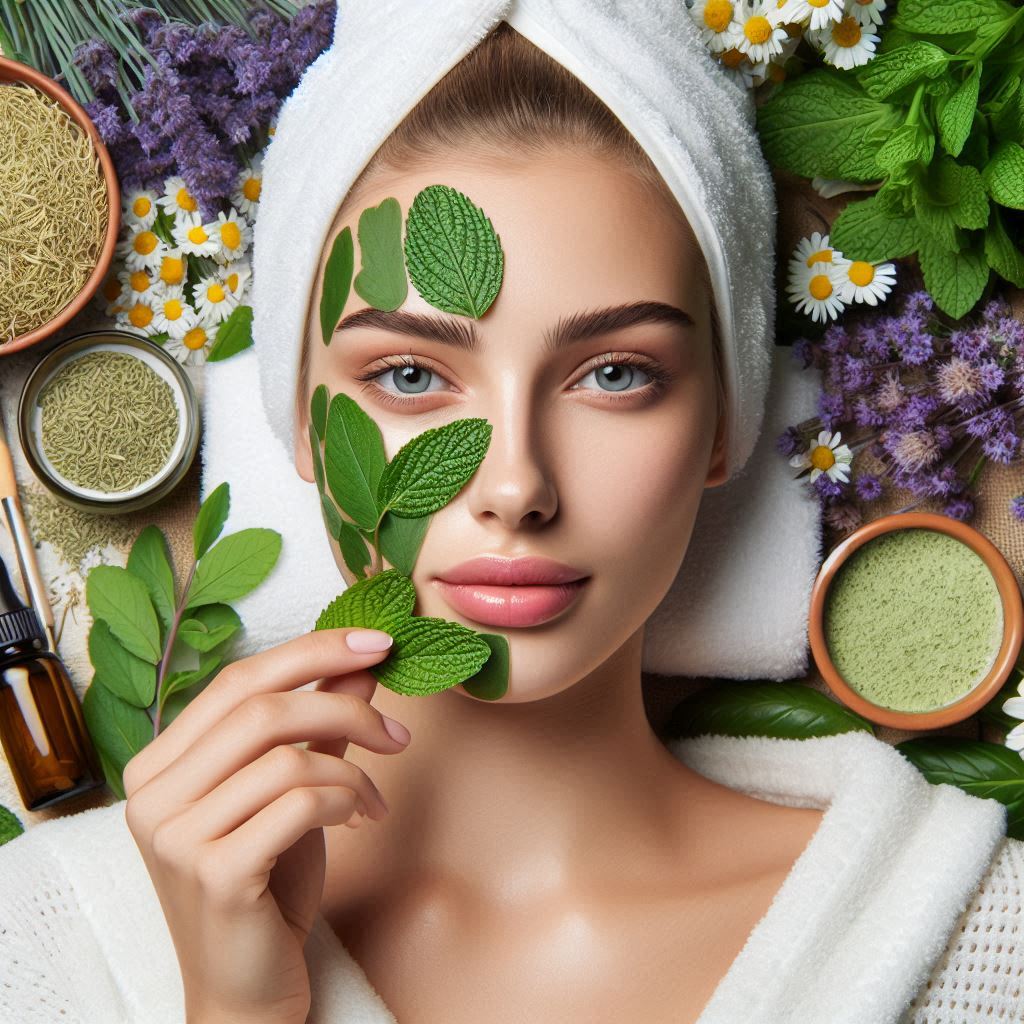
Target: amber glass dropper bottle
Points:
(42, 727)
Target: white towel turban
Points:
(739, 605)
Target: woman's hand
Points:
(229, 818)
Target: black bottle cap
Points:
(18, 622)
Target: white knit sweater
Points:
(906, 907)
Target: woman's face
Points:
(593, 464)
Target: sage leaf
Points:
(209, 626)
(400, 540)
(318, 410)
(233, 335)
(354, 460)
(381, 281)
(956, 113)
(213, 513)
(124, 674)
(1004, 175)
(122, 599)
(954, 279)
(784, 710)
(10, 825)
(989, 771)
(353, 549)
(318, 462)
(332, 517)
(337, 282)
(150, 561)
(453, 255)
(234, 566)
(430, 469)
(119, 730)
(491, 682)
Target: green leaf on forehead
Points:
(452, 252)
(337, 281)
(354, 460)
(381, 281)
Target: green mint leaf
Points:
(337, 282)
(1003, 256)
(318, 462)
(209, 626)
(1004, 175)
(454, 257)
(234, 566)
(122, 600)
(908, 144)
(122, 672)
(119, 730)
(944, 17)
(401, 539)
(151, 562)
(380, 601)
(431, 655)
(864, 230)
(430, 469)
(956, 113)
(10, 825)
(354, 460)
(234, 335)
(954, 279)
(381, 282)
(213, 513)
(889, 72)
(491, 682)
(318, 410)
(821, 124)
(1006, 112)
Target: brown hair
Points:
(507, 96)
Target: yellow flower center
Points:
(215, 293)
(757, 29)
(820, 286)
(111, 289)
(821, 256)
(846, 32)
(232, 281)
(172, 270)
(818, 3)
(822, 457)
(185, 200)
(139, 280)
(717, 15)
(230, 235)
(732, 58)
(251, 189)
(197, 235)
(861, 273)
(140, 315)
(145, 242)
(196, 338)
(141, 206)
(173, 309)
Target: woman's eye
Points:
(407, 380)
(616, 377)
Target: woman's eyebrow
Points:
(460, 332)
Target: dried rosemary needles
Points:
(109, 421)
(53, 209)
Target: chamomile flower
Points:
(826, 455)
(139, 317)
(867, 12)
(718, 23)
(137, 284)
(814, 13)
(193, 346)
(177, 199)
(1014, 707)
(867, 282)
(140, 208)
(173, 314)
(233, 233)
(738, 66)
(814, 249)
(112, 296)
(816, 289)
(249, 185)
(141, 249)
(194, 237)
(213, 299)
(761, 36)
(846, 44)
(173, 267)
(236, 276)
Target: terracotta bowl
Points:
(15, 71)
(1013, 622)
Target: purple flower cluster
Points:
(930, 402)
(207, 101)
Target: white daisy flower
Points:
(815, 249)
(246, 196)
(1014, 707)
(173, 314)
(826, 455)
(139, 317)
(233, 233)
(194, 237)
(761, 35)
(738, 66)
(173, 267)
(236, 276)
(816, 289)
(213, 299)
(137, 284)
(867, 282)
(717, 19)
(867, 12)
(139, 207)
(176, 198)
(140, 249)
(193, 347)
(814, 13)
(846, 44)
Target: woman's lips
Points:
(526, 605)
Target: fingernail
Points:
(396, 730)
(366, 641)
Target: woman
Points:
(545, 856)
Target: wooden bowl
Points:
(1013, 622)
(15, 71)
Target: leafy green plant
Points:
(367, 502)
(10, 825)
(937, 120)
(143, 631)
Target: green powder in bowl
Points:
(913, 620)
